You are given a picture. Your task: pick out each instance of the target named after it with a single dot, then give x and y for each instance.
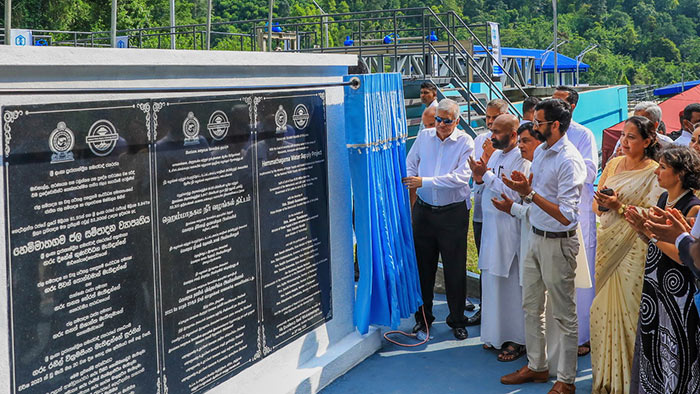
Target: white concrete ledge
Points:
(81, 57)
(312, 376)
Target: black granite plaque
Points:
(80, 248)
(293, 215)
(113, 293)
(204, 177)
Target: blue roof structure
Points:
(564, 63)
(676, 88)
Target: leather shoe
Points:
(468, 305)
(525, 375)
(475, 319)
(562, 388)
(420, 326)
(460, 333)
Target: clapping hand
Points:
(502, 205)
(673, 225)
(519, 182)
(478, 169)
(488, 150)
(636, 221)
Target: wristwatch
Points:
(529, 197)
(622, 209)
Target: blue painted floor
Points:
(443, 365)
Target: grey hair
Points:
(652, 109)
(501, 104)
(450, 106)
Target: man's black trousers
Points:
(442, 232)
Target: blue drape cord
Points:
(388, 288)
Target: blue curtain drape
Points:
(388, 288)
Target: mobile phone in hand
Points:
(608, 192)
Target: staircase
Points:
(472, 109)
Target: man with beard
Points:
(437, 167)
(554, 189)
(584, 140)
(502, 325)
(483, 149)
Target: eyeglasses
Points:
(445, 121)
(537, 123)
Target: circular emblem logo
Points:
(218, 125)
(61, 139)
(301, 117)
(190, 127)
(281, 118)
(102, 137)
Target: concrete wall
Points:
(311, 361)
(597, 109)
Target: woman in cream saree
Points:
(619, 268)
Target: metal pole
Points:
(172, 25)
(556, 49)
(8, 22)
(325, 20)
(578, 62)
(269, 27)
(114, 24)
(209, 25)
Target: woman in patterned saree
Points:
(666, 347)
(619, 265)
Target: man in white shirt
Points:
(584, 140)
(437, 167)
(503, 322)
(691, 116)
(428, 96)
(554, 189)
(483, 149)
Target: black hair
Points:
(689, 109)
(646, 129)
(530, 128)
(572, 98)
(530, 103)
(686, 162)
(662, 127)
(429, 85)
(556, 110)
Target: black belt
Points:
(554, 234)
(439, 208)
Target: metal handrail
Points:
(489, 53)
(485, 77)
(472, 97)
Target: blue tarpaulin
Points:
(676, 88)
(376, 131)
(543, 62)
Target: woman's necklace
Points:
(670, 204)
(624, 164)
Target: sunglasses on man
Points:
(443, 120)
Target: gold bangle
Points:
(622, 209)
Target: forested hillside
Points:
(641, 41)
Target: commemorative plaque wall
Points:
(161, 246)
